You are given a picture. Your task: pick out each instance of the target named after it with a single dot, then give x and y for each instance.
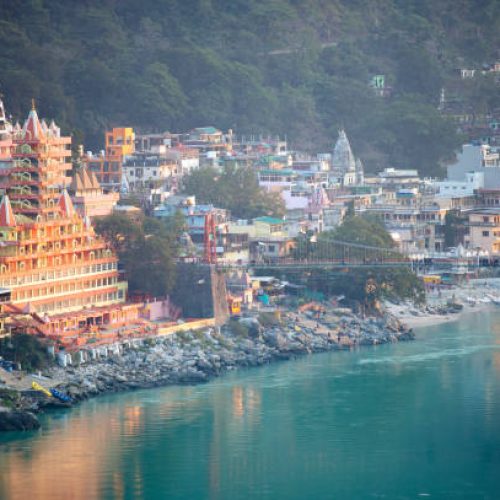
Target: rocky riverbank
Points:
(194, 357)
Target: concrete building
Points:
(107, 165)
(89, 199)
(484, 230)
(149, 171)
(57, 270)
(454, 189)
(396, 178)
(478, 159)
(276, 180)
(187, 159)
(195, 216)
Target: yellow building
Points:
(108, 168)
(120, 142)
(261, 227)
(268, 238)
(484, 230)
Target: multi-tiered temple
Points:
(57, 270)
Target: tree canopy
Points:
(146, 251)
(274, 66)
(235, 189)
(364, 285)
(365, 230)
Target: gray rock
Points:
(18, 421)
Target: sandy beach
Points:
(474, 296)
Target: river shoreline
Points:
(198, 356)
(473, 296)
(194, 357)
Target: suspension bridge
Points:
(323, 254)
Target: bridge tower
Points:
(210, 240)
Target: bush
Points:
(238, 329)
(8, 398)
(25, 349)
(268, 319)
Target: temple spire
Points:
(32, 128)
(360, 172)
(66, 205)
(343, 158)
(7, 217)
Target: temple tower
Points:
(5, 134)
(51, 260)
(38, 172)
(343, 160)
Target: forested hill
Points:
(295, 67)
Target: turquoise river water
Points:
(410, 420)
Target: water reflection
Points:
(66, 462)
(386, 421)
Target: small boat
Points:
(494, 299)
(471, 301)
(61, 396)
(37, 387)
(484, 300)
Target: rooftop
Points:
(269, 220)
(277, 171)
(206, 130)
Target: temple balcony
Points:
(21, 196)
(68, 295)
(20, 182)
(60, 273)
(29, 256)
(50, 252)
(63, 265)
(51, 141)
(60, 237)
(19, 168)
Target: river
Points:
(409, 420)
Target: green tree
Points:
(235, 189)
(119, 230)
(454, 228)
(25, 349)
(150, 266)
(291, 67)
(364, 286)
(146, 250)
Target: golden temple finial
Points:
(33, 105)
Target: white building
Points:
(187, 159)
(477, 158)
(143, 170)
(457, 189)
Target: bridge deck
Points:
(315, 264)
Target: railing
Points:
(327, 253)
(288, 262)
(59, 251)
(63, 272)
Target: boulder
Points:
(18, 421)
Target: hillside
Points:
(295, 67)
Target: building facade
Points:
(52, 263)
(108, 165)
